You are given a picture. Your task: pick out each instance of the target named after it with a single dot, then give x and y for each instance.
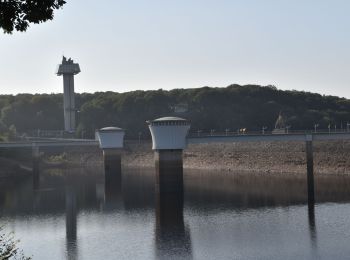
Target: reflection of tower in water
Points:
(71, 223)
(172, 237)
(113, 188)
(312, 224)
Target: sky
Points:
(124, 45)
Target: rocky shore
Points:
(330, 157)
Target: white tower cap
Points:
(169, 133)
(111, 137)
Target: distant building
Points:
(180, 108)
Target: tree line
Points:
(233, 107)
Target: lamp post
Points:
(316, 125)
(263, 129)
(287, 128)
(329, 128)
(140, 133)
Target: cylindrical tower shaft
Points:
(69, 102)
(68, 69)
(111, 141)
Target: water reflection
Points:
(209, 190)
(83, 203)
(112, 190)
(312, 224)
(71, 223)
(172, 238)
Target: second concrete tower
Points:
(68, 69)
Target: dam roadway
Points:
(320, 136)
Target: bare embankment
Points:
(330, 157)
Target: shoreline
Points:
(330, 158)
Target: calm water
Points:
(223, 216)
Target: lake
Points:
(74, 214)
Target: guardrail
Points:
(268, 137)
(265, 132)
(48, 143)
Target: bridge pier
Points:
(168, 141)
(111, 141)
(112, 164)
(35, 165)
(310, 169)
(169, 171)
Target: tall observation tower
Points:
(68, 69)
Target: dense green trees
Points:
(232, 107)
(18, 14)
(9, 249)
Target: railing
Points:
(46, 133)
(265, 132)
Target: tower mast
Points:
(68, 69)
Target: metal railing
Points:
(193, 134)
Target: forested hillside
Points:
(233, 107)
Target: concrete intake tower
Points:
(168, 141)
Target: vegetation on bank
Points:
(233, 107)
(9, 249)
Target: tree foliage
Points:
(233, 107)
(18, 14)
(9, 249)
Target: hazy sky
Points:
(151, 44)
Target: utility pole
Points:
(287, 127)
(140, 133)
(316, 125)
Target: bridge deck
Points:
(55, 142)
